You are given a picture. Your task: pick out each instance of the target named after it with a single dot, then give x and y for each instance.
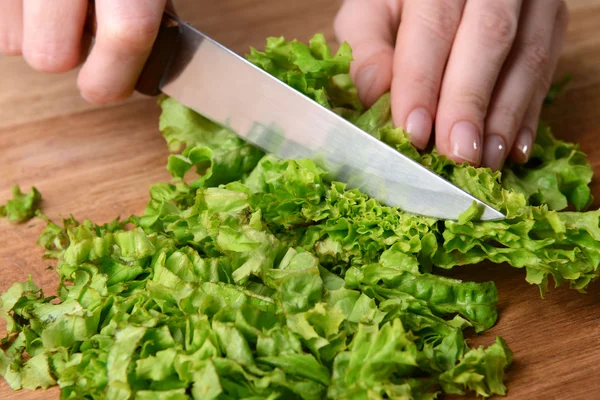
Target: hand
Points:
(51, 36)
(481, 68)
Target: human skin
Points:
(474, 71)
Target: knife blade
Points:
(214, 81)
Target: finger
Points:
(526, 71)
(11, 27)
(521, 149)
(482, 43)
(125, 33)
(171, 7)
(52, 33)
(422, 49)
(369, 27)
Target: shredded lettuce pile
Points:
(258, 279)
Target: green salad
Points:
(258, 279)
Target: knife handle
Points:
(162, 52)
(161, 55)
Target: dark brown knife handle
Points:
(160, 57)
(162, 53)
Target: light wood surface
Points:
(99, 162)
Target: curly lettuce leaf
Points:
(217, 154)
(557, 174)
(383, 363)
(480, 371)
(346, 228)
(22, 206)
(150, 314)
(257, 278)
(312, 70)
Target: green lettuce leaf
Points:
(22, 206)
(217, 154)
(312, 70)
(480, 371)
(250, 277)
(557, 174)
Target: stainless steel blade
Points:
(226, 88)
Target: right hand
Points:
(50, 34)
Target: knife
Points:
(212, 80)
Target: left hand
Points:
(480, 68)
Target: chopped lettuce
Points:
(146, 313)
(312, 70)
(22, 206)
(259, 279)
(557, 174)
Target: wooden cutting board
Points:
(99, 162)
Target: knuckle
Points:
(424, 82)
(368, 52)
(9, 49)
(9, 46)
(473, 100)
(440, 19)
(536, 58)
(50, 61)
(99, 94)
(372, 51)
(497, 26)
(506, 116)
(134, 35)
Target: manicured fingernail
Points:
(465, 142)
(523, 145)
(418, 126)
(494, 152)
(366, 79)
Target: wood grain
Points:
(98, 162)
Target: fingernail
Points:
(418, 126)
(523, 145)
(494, 152)
(465, 142)
(366, 79)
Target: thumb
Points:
(370, 29)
